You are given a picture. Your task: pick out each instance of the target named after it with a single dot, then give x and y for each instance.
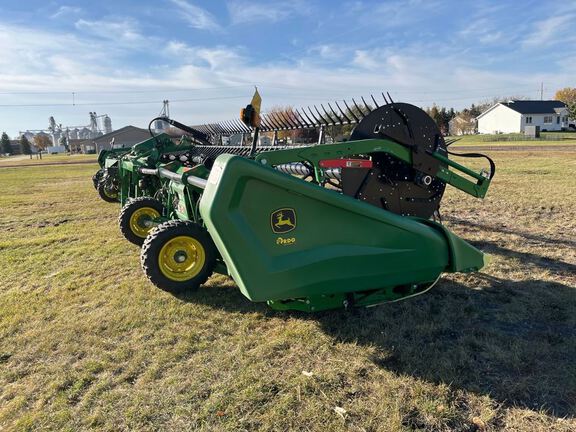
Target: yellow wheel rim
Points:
(181, 258)
(142, 221)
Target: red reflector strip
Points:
(346, 163)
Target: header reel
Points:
(394, 185)
(410, 187)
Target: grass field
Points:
(87, 343)
(24, 160)
(548, 139)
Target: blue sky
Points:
(123, 57)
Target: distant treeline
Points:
(443, 115)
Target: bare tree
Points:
(42, 142)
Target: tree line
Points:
(23, 142)
(440, 114)
(41, 142)
(443, 115)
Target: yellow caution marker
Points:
(250, 115)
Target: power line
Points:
(264, 85)
(69, 92)
(120, 103)
(293, 95)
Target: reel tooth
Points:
(410, 189)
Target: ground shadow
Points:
(505, 230)
(535, 260)
(512, 340)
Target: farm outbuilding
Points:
(16, 150)
(462, 124)
(124, 137)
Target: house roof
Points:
(128, 134)
(529, 107)
(534, 107)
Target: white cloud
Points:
(329, 52)
(214, 57)
(196, 17)
(491, 37)
(57, 61)
(396, 13)
(552, 30)
(219, 57)
(245, 11)
(66, 11)
(178, 48)
(482, 30)
(125, 30)
(365, 60)
(29, 50)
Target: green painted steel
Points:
(113, 154)
(184, 200)
(123, 165)
(329, 250)
(145, 155)
(314, 154)
(296, 244)
(300, 246)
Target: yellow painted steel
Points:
(181, 258)
(140, 221)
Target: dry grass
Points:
(24, 160)
(548, 139)
(87, 343)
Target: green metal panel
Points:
(464, 258)
(145, 154)
(182, 204)
(314, 154)
(331, 244)
(110, 154)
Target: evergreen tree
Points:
(475, 111)
(441, 116)
(63, 141)
(433, 112)
(5, 144)
(25, 147)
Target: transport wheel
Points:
(97, 177)
(107, 190)
(178, 256)
(136, 218)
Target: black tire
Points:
(135, 216)
(97, 177)
(107, 190)
(165, 236)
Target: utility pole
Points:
(542, 90)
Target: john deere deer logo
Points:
(283, 220)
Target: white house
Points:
(514, 116)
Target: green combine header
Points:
(309, 228)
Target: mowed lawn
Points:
(87, 343)
(24, 160)
(547, 139)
